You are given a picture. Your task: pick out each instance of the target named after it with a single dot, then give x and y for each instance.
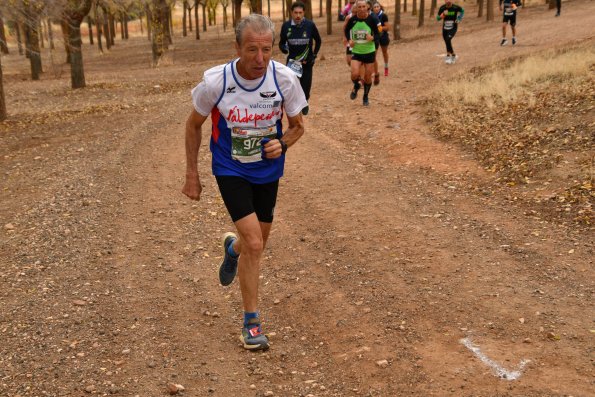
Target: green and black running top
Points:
(454, 15)
(357, 29)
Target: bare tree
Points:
(32, 11)
(159, 28)
(420, 20)
(237, 12)
(329, 16)
(490, 11)
(480, 8)
(3, 46)
(308, 10)
(433, 9)
(3, 114)
(224, 5)
(397, 24)
(196, 19)
(73, 14)
(414, 8)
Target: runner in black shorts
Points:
(361, 31)
(384, 40)
(509, 8)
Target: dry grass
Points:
(530, 122)
(507, 84)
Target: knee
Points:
(252, 246)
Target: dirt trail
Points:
(381, 247)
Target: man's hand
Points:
(192, 188)
(272, 149)
(350, 43)
(369, 37)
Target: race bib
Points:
(359, 36)
(295, 66)
(449, 24)
(245, 142)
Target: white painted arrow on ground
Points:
(500, 371)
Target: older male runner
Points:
(246, 99)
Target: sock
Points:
(230, 250)
(386, 65)
(248, 316)
(356, 84)
(367, 89)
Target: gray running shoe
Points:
(305, 110)
(503, 42)
(252, 336)
(229, 266)
(365, 101)
(513, 40)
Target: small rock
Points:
(253, 386)
(527, 340)
(522, 320)
(382, 363)
(9, 226)
(172, 389)
(269, 393)
(180, 387)
(79, 302)
(276, 301)
(89, 389)
(126, 351)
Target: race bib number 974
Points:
(245, 142)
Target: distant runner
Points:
(384, 39)
(451, 14)
(509, 8)
(360, 32)
(558, 7)
(296, 40)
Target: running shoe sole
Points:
(353, 94)
(255, 347)
(223, 279)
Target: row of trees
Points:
(31, 21)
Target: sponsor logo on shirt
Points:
(245, 116)
(268, 94)
(231, 90)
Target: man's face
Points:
(361, 8)
(297, 14)
(448, 3)
(255, 53)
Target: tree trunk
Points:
(404, 6)
(397, 23)
(99, 25)
(27, 34)
(339, 8)
(170, 25)
(73, 19)
(204, 17)
(490, 11)
(196, 19)
(17, 28)
(308, 11)
(122, 25)
(3, 114)
(433, 9)
(551, 4)
(107, 33)
(40, 33)
(414, 8)
(283, 10)
(237, 6)
(3, 46)
(329, 16)
(126, 26)
(288, 8)
(90, 25)
(480, 8)
(149, 19)
(225, 18)
(185, 10)
(420, 20)
(112, 28)
(51, 34)
(269, 8)
(159, 28)
(34, 50)
(320, 9)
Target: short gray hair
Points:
(258, 23)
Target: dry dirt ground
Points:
(379, 251)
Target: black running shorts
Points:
(384, 40)
(511, 19)
(364, 58)
(243, 198)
